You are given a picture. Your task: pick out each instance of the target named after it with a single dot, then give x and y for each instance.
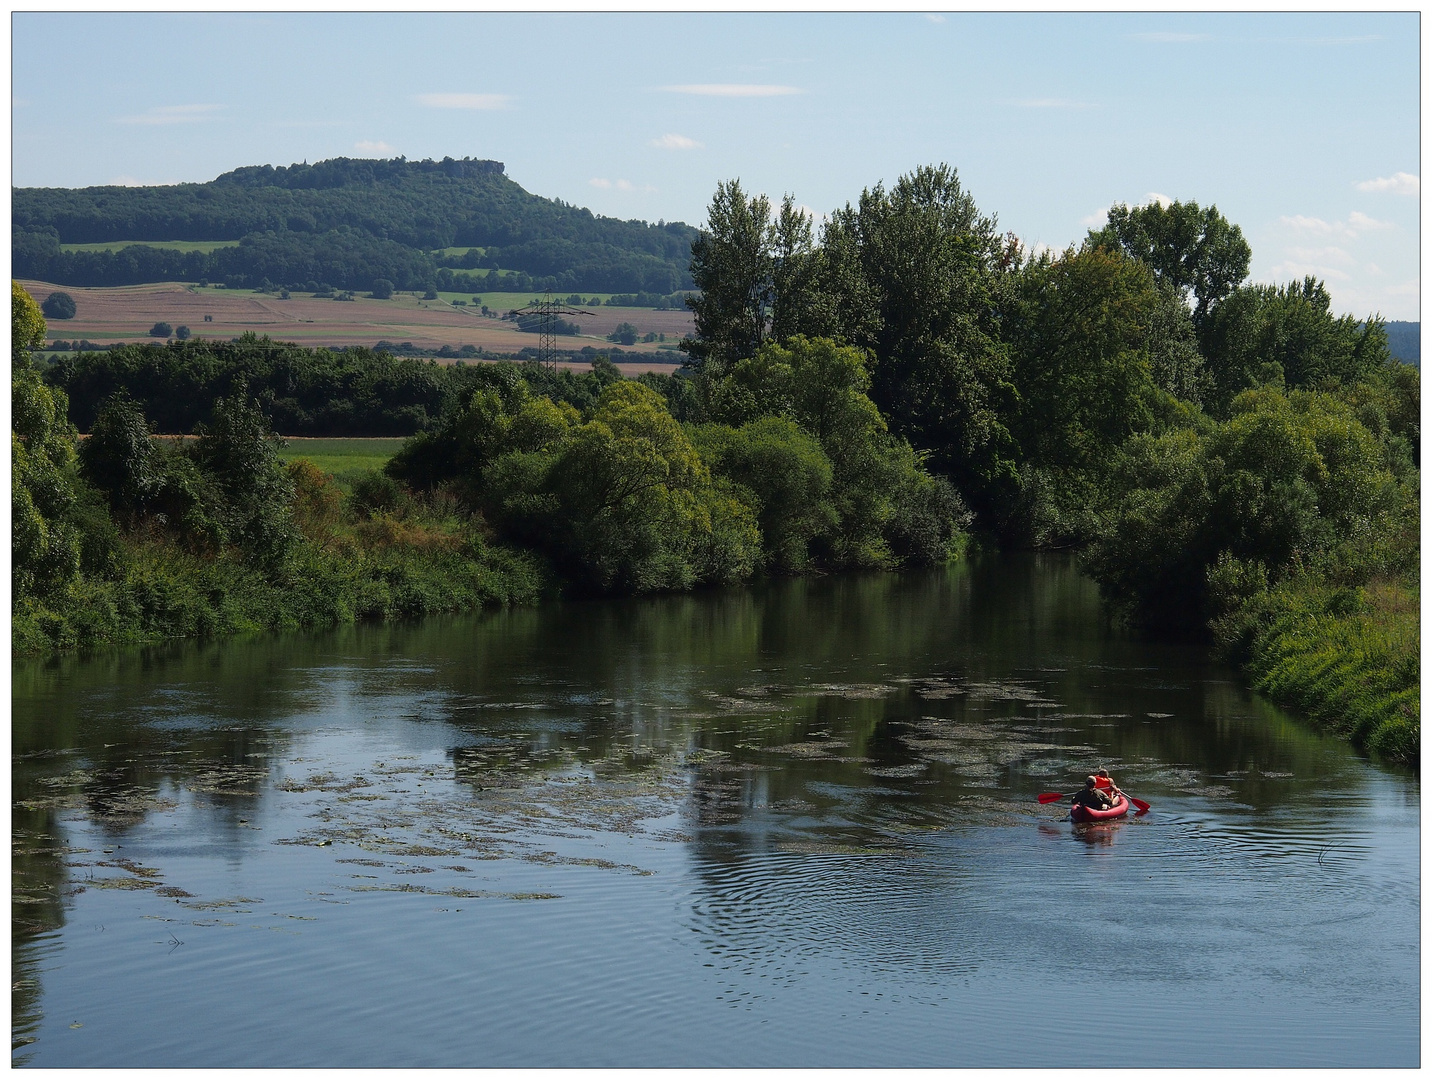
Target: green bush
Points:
(166, 592)
(59, 305)
(1285, 478)
(784, 475)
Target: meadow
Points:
(345, 459)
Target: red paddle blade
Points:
(1142, 806)
(1052, 796)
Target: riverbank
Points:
(163, 593)
(1348, 657)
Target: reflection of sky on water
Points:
(801, 801)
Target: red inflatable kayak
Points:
(1080, 812)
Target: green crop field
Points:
(346, 459)
(205, 246)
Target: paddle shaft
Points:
(1055, 796)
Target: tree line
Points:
(354, 391)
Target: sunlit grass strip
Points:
(345, 459)
(314, 448)
(1350, 658)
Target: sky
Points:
(1302, 128)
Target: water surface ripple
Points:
(780, 826)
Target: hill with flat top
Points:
(454, 224)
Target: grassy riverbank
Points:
(164, 593)
(1349, 657)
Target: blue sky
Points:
(1301, 128)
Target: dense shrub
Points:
(1284, 478)
(59, 305)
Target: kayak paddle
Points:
(1054, 796)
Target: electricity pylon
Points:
(549, 313)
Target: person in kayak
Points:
(1092, 797)
(1105, 782)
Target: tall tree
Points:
(917, 275)
(732, 265)
(1083, 367)
(1196, 250)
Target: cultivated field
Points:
(126, 314)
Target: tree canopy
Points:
(1198, 251)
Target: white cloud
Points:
(1356, 224)
(1361, 222)
(676, 142)
(1391, 300)
(619, 185)
(172, 114)
(1051, 103)
(463, 101)
(733, 90)
(1296, 270)
(1169, 37)
(934, 16)
(368, 146)
(1308, 224)
(1399, 183)
(1331, 255)
(1156, 197)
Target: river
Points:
(790, 825)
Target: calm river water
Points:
(791, 825)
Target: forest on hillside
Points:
(344, 222)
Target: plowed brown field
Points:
(126, 314)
